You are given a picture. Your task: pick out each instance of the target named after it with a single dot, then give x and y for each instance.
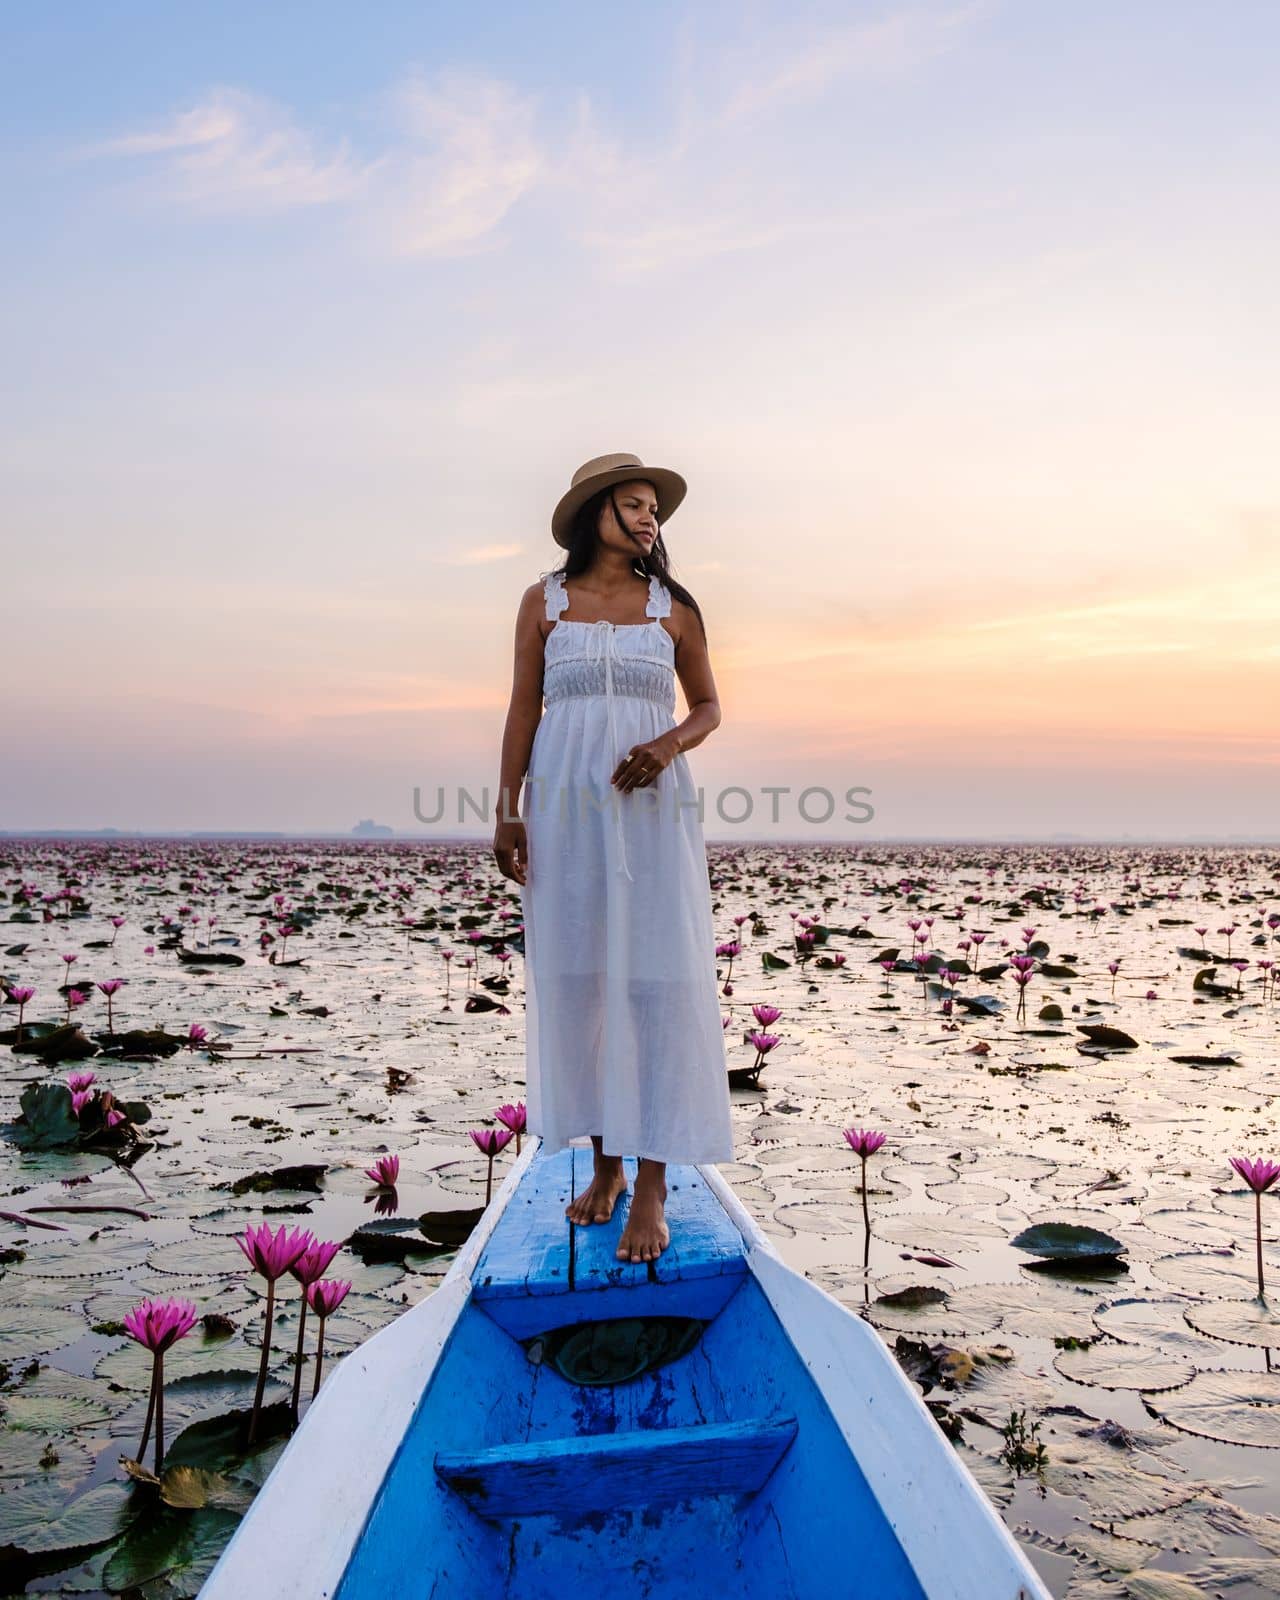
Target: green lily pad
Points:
(47, 1414)
(1066, 1241)
(1233, 1407)
(25, 1458)
(54, 1256)
(1252, 1322)
(826, 1218)
(27, 1331)
(180, 1546)
(95, 1517)
(1124, 1366)
(199, 1256)
(1203, 1273)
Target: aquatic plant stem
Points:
(159, 1383)
(266, 1356)
(315, 1387)
(297, 1365)
(1257, 1216)
(151, 1411)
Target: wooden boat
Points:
(551, 1418)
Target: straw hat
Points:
(599, 473)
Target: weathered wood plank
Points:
(528, 1253)
(581, 1476)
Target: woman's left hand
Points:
(640, 767)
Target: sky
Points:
(960, 320)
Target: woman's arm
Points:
(510, 847)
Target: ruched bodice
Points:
(600, 658)
(608, 658)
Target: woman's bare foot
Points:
(596, 1202)
(646, 1234)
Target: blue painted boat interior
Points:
(720, 1473)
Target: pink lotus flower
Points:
(80, 1098)
(271, 1254)
(158, 1324)
(514, 1117)
(19, 997)
(864, 1142)
(385, 1171)
(324, 1297)
(77, 1081)
(1259, 1175)
(489, 1141)
(314, 1262)
(764, 1014)
(308, 1269)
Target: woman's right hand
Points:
(511, 850)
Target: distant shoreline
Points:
(120, 835)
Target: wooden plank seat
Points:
(586, 1475)
(538, 1271)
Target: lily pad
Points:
(27, 1331)
(1205, 1273)
(826, 1218)
(179, 1546)
(1066, 1241)
(95, 1517)
(1252, 1322)
(1124, 1366)
(1233, 1407)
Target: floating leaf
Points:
(913, 1297)
(24, 1458)
(827, 1218)
(1066, 1241)
(1124, 1366)
(1234, 1407)
(95, 1517)
(27, 1330)
(53, 1256)
(1237, 1322)
(1107, 1037)
(1197, 1272)
(200, 1256)
(181, 1546)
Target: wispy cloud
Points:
(470, 153)
(463, 148)
(237, 152)
(891, 43)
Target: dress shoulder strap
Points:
(556, 593)
(659, 598)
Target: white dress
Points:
(623, 1026)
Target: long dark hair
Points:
(583, 539)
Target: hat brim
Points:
(670, 486)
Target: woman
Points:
(624, 1040)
